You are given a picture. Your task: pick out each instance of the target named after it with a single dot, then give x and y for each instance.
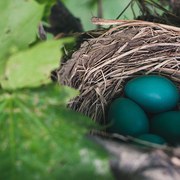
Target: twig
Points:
(101, 21)
(100, 11)
(124, 9)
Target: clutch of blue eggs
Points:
(148, 111)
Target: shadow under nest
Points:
(106, 60)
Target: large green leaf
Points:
(18, 26)
(41, 139)
(31, 68)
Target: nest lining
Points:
(102, 65)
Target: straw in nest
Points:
(102, 65)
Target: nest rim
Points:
(132, 40)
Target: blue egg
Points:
(167, 125)
(153, 93)
(127, 118)
(152, 138)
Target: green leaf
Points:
(112, 10)
(48, 4)
(42, 139)
(31, 68)
(18, 26)
(83, 11)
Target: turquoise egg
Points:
(167, 125)
(153, 93)
(127, 118)
(152, 138)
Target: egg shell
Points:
(127, 118)
(153, 93)
(167, 125)
(153, 138)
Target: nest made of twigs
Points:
(102, 65)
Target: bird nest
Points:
(104, 62)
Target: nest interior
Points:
(102, 65)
